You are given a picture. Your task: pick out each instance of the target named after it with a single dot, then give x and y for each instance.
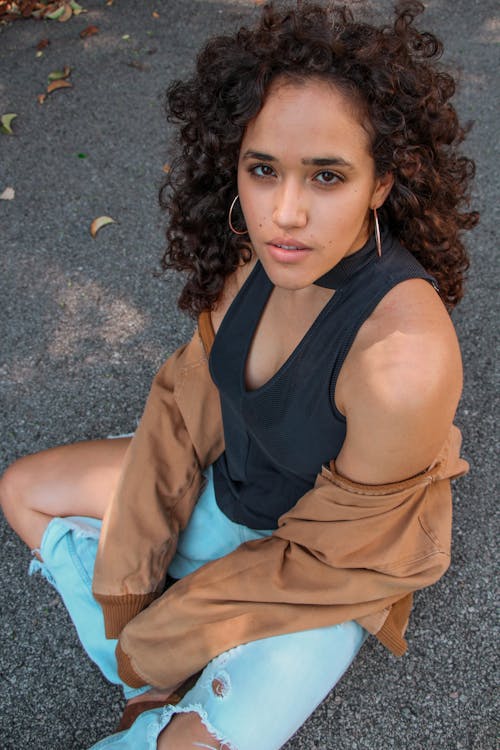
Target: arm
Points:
(345, 551)
(179, 435)
(160, 483)
(348, 549)
(399, 387)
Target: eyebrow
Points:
(326, 161)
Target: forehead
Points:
(307, 116)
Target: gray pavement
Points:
(85, 323)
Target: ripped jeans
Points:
(253, 697)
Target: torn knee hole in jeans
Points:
(215, 741)
(221, 684)
(215, 677)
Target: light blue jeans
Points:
(253, 697)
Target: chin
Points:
(289, 279)
(292, 276)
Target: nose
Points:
(290, 208)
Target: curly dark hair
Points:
(391, 72)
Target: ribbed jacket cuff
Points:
(126, 671)
(391, 639)
(391, 634)
(119, 610)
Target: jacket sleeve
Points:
(160, 483)
(345, 551)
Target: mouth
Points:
(289, 247)
(287, 244)
(287, 250)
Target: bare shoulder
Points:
(409, 340)
(400, 386)
(232, 285)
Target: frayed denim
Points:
(68, 550)
(254, 696)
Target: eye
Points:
(262, 170)
(327, 177)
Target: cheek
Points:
(253, 204)
(347, 205)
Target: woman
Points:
(291, 470)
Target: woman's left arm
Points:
(399, 387)
(350, 547)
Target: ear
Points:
(382, 189)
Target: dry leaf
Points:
(58, 75)
(41, 98)
(155, 14)
(27, 7)
(8, 194)
(100, 222)
(89, 31)
(42, 44)
(67, 13)
(167, 168)
(77, 8)
(55, 14)
(58, 85)
(6, 122)
(138, 65)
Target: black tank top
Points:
(278, 436)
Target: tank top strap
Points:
(238, 326)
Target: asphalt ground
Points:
(85, 323)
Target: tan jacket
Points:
(344, 551)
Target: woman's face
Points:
(306, 182)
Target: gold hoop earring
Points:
(231, 227)
(378, 242)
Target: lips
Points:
(287, 250)
(288, 243)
